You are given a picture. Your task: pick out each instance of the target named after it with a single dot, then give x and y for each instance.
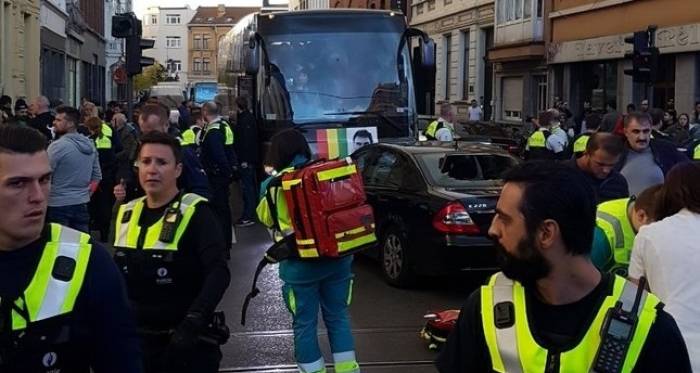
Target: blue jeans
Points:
(248, 190)
(73, 216)
(333, 293)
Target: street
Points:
(386, 320)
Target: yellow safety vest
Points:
(106, 130)
(581, 143)
(48, 296)
(537, 140)
(513, 349)
(228, 133)
(103, 142)
(433, 127)
(696, 152)
(128, 230)
(188, 138)
(612, 219)
(283, 219)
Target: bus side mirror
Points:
(252, 57)
(427, 53)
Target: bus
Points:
(343, 77)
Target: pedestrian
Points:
(590, 125)
(42, 119)
(546, 310)
(598, 163)
(101, 202)
(679, 132)
(6, 107)
(21, 112)
(537, 147)
(644, 106)
(658, 125)
(169, 248)
(611, 117)
(645, 160)
(128, 136)
(63, 307)
(191, 136)
(580, 124)
(666, 253)
(631, 108)
(475, 112)
(247, 148)
(617, 223)
(442, 128)
(310, 284)
(220, 164)
(558, 141)
(186, 120)
(76, 172)
(193, 179)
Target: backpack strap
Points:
(275, 182)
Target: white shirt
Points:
(558, 140)
(474, 113)
(445, 133)
(667, 253)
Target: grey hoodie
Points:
(75, 164)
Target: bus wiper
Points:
(378, 114)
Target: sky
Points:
(141, 5)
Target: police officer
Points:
(617, 223)
(536, 147)
(546, 310)
(191, 136)
(170, 250)
(579, 142)
(63, 306)
(102, 200)
(220, 163)
(442, 128)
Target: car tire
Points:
(395, 260)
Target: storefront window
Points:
(595, 82)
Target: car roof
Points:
(425, 147)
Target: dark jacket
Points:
(613, 187)
(218, 159)
(41, 123)
(665, 155)
(246, 135)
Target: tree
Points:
(150, 76)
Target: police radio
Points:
(171, 220)
(616, 335)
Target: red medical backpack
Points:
(328, 209)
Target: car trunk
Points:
(479, 201)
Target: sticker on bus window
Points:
(341, 142)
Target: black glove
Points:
(184, 340)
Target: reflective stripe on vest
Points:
(228, 133)
(537, 140)
(581, 143)
(188, 137)
(47, 296)
(513, 349)
(612, 219)
(106, 130)
(103, 142)
(696, 152)
(128, 230)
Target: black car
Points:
(433, 205)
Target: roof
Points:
(220, 15)
(424, 147)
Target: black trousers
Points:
(204, 358)
(219, 202)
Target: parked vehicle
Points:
(433, 205)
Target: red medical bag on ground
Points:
(438, 327)
(328, 209)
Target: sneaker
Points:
(244, 223)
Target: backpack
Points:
(329, 214)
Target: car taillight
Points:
(453, 218)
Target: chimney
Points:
(221, 10)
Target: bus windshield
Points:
(347, 78)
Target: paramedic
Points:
(544, 238)
(171, 253)
(309, 284)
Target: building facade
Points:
(19, 48)
(206, 28)
(114, 49)
(463, 31)
(168, 27)
(587, 63)
(53, 49)
(518, 54)
(344, 4)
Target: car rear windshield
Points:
(453, 170)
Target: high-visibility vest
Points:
(106, 130)
(103, 142)
(696, 152)
(46, 304)
(612, 219)
(228, 133)
(283, 218)
(538, 139)
(189, 137)
(581, 143)
(433, 127)
(513, 348)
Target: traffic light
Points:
(644, 56)
(135, 61)
(127, 26)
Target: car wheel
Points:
(395, 261)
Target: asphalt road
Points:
(385, 320)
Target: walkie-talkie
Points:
(171, 220)
(616, 335)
